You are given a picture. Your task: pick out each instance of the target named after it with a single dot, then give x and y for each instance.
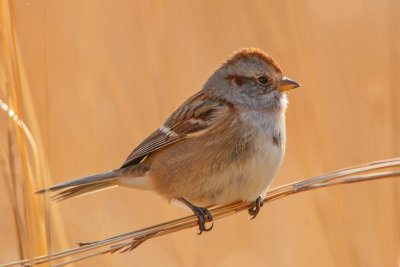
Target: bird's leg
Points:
(255, 207)
(202, 214)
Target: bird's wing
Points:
(194, 117)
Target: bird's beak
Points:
(287, 84)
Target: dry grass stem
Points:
(20, 159)
(365, 172)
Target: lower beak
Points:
(287, 84)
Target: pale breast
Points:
(238, 163)
(262, 167)
(246, 180)
(269, 147)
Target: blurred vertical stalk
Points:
(19, 157)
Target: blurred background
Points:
(91, 79)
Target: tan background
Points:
(104, 74)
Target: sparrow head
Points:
(252, 78)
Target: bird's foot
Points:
(255, 207)
(202, 214)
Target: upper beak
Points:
(287, 84)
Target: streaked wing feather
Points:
(194, 116)
(155, 141)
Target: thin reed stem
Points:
(355, 174)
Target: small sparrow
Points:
(224, 144)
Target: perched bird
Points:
(224, 144)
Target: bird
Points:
(223, 144)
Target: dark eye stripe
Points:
(239, 80)
(262, 80)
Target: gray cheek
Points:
(269, 89)
(250, 89)
(243, 92)
(255, 90)
(262, 91)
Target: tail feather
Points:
(81, 190)
(83, 185)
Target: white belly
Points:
(247, 180)
(252, 177)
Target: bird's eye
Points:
(262, 80)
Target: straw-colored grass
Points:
(21, 162)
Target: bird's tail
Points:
(83, 185)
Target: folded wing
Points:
(194, 117)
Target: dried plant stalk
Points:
(19, 157)
(365, 172)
